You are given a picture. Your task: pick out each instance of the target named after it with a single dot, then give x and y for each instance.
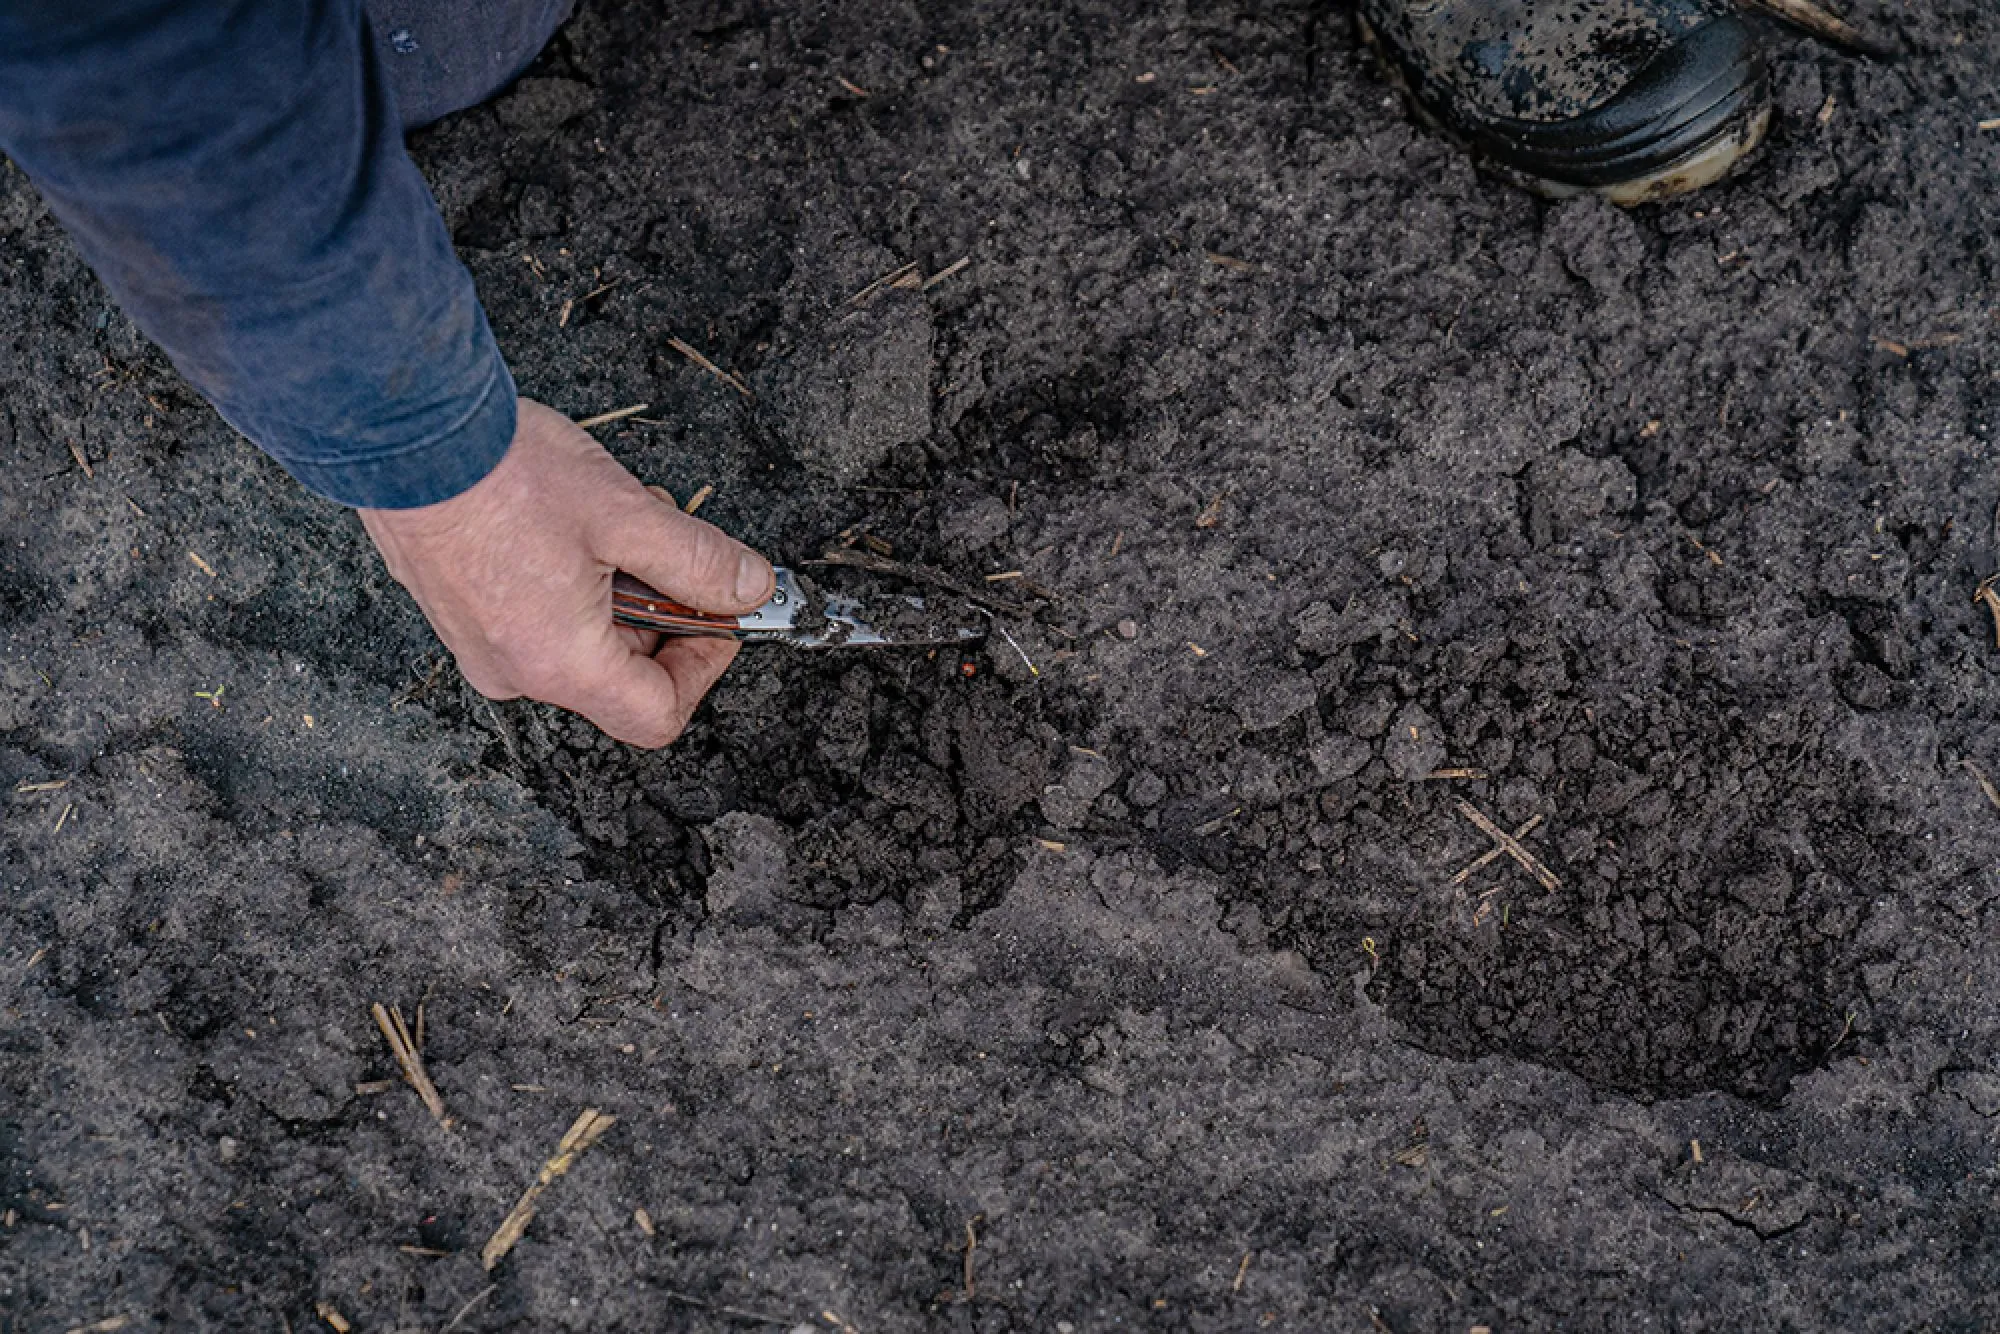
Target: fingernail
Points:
(753, 577)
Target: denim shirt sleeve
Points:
(235, 173)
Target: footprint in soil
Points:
(894, 775)
(1713, 866)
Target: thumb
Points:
(688, 560)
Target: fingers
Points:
(696, 664)
(640, 641)
(688, 560)
(515, 575)
(647, 701)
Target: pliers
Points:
(790, 617)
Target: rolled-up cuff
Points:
(427, 472)
(237, 175)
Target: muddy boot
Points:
(1634, 99)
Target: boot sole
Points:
(1705, 166)
(1715, 157)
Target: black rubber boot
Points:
(1634, 99)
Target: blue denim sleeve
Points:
(235, 173)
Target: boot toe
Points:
(1683, 119)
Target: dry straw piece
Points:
(585, 1131)
(409, 1055)
(687, 350)
(1823, 24)
(606, 418)
(1507, 843)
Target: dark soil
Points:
(1136, 988)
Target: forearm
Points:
(237, 178)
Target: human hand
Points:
(515, 576)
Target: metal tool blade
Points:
(794, 615)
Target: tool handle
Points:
(645, 608)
